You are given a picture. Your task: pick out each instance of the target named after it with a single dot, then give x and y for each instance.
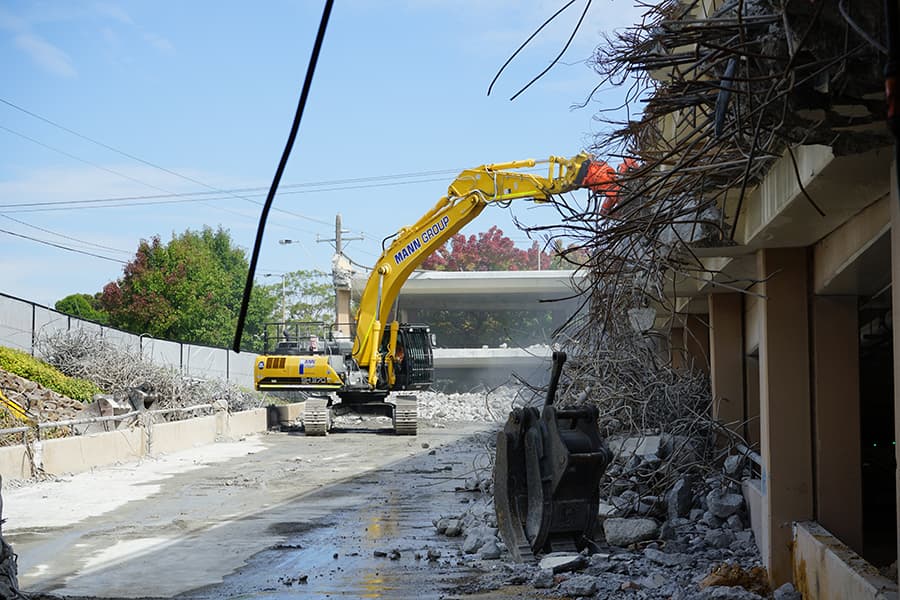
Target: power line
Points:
(118, 151)
(61, 247)
(136, 180)
(83, 160)
(213, 189)
(248, 190)
(180, 199)
(86, 243)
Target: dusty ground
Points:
(272, 515)
(348, 515)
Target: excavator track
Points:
(406, 415)
(316, 417)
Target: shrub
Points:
(28, 367)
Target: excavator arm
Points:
(467, 196)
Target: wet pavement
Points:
(345, 516)
(372, 543)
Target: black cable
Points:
(525, 43)
(295, 126)
(587, 5)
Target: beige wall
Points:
(82, 453)
(244, 423)
(826, 569)
(181, 435)
(14, 462)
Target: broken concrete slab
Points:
(624, 532)
(559, 562)
(635, 445)
(665, 558)
(723, 504)
(680, 498)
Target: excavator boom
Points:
(467, 196)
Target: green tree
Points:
(83, 306)
(189, 289)
(310, 296)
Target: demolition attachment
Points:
(547, 475)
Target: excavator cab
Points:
(413, 358)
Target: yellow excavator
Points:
(338, 376)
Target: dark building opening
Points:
(877, 440)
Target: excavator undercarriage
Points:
(547, 476)
(309, 363)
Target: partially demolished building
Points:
(757, 220)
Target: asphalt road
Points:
(274, 515)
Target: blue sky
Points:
(208, 89)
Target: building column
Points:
(784, 394)
(726, 353)
(342, 308)
(837, 432)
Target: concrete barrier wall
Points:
(824, 568)
(245, 422)
(181, 435)
(14, 462)
(82, 453)
(753, 495)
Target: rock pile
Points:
(491, 406)
(476, 527)
(693, 541)
(41, 403)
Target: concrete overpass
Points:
(556, 291)
(500, 290)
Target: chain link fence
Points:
(22, 323)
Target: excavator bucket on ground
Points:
(547, 476)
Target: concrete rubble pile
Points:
(672, 514)
(696, 542)
(117, 370)
(487, 407)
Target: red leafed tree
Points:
(488, 251)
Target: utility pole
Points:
(338, 240)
